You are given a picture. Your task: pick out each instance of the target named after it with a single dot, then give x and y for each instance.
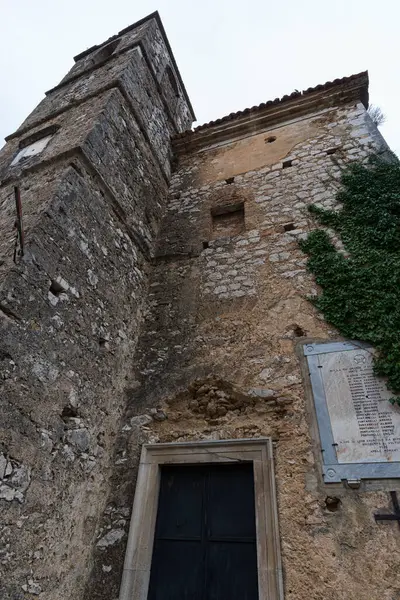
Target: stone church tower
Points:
(153, 303)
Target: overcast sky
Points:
(231, 53)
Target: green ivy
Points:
(361, 288)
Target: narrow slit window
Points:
(172, 81)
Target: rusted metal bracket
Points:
(19, 240)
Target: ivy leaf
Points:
(361, 291)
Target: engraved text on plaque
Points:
(365, 426)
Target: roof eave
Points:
(273, 113)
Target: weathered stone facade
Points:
(141, 313)
(70, 309)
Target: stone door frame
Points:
(136, 573)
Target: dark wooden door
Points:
(205, 539)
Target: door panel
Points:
(181, 503)
(230, 502)
(205, 539)
(177, 571)
(232, 571)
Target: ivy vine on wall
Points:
(360, 287)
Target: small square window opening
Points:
(227, 220)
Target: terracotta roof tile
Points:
(286, 98)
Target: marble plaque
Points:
(365, 426)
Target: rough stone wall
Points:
(219, 356)
(70, 312)
(63, 357)
(137, 67)
(116, 331)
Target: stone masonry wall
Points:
(71, 314)
(219, 356)
(137, 67)
(136, 317)
(71, 310)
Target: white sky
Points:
(232, 54)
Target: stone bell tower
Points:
(91, 166)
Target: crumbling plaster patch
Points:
(253, 152)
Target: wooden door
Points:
(205, 539)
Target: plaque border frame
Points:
(332, 471)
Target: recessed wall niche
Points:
(227, 220)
